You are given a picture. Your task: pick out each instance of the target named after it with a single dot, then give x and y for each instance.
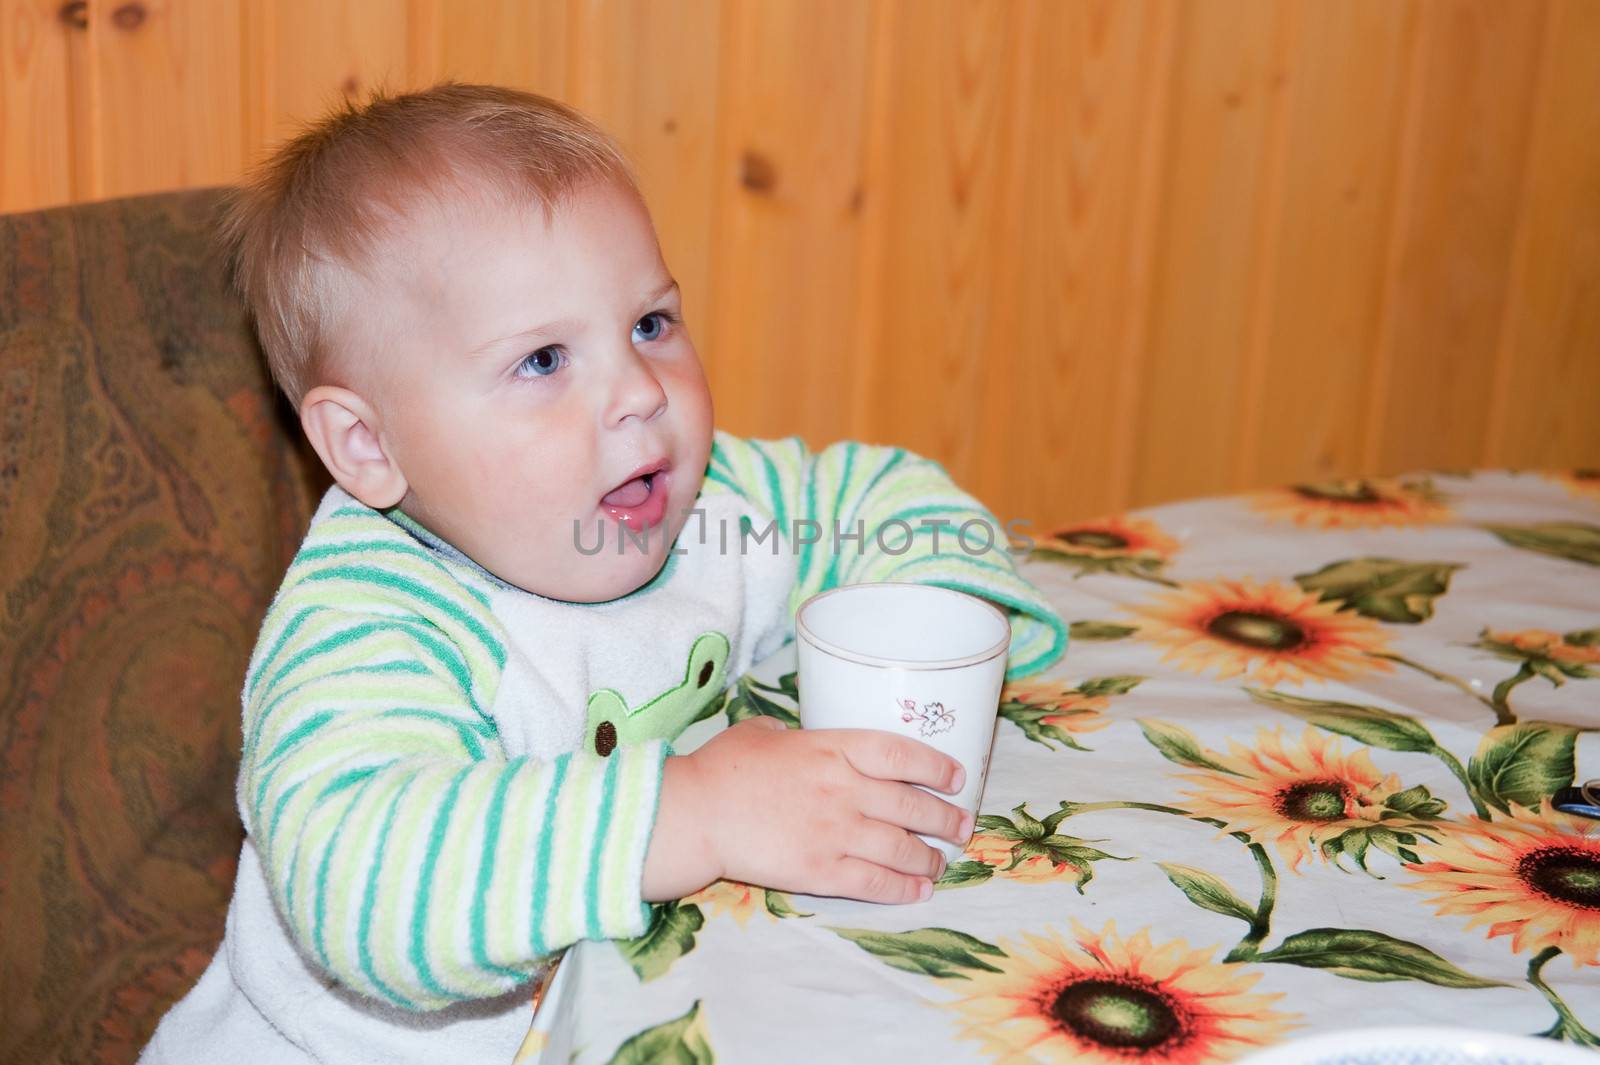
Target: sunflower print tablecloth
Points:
(1292, 775)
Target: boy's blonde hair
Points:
(320, 207)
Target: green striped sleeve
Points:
(884, 514)
(407, 854)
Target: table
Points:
(1291, 776)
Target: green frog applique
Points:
(611, 723)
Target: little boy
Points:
(538, 565)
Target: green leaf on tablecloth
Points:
(1523, 763)
(1030, 827)
(1026, 826)
(1062, 852)
(786, 686)
(678, 1042)
(1360, 954)
(778, 905)
(1371, 725)
(1097, 631)
(1033, 838)
(1178, 744)
(1582, 638)
(964, 874)
(1031, 720)
(998, 824)
(747, 700)
(1109, 685)
(669, 937)
(1141, 566)
(1572, 540)
(1383, 588)
(1355, 842)
(940, 952)
(1051, 820)
(1415, 802)
(1208, 892)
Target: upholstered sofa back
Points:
(152, 490)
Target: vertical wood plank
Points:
(949, 217)
(1450, 271)
(307, 56)
(648, 74)
(35, 106)
(1338, 187)
(165, 81)
(1085, 252)
(1546, 403)
(1008, 284)
(501, 42)
(1230, 73)
(783, 299)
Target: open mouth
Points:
(641, 500)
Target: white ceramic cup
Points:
(921, 661)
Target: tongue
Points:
(631, 494)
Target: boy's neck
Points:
(440, 546)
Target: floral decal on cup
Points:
(932, 718)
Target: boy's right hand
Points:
(826, 812)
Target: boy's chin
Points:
(604, 577)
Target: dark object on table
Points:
(1582, 800)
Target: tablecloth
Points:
(1293, 775)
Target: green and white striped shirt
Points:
(431, 808)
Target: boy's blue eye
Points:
(541, 363)
(651, 326)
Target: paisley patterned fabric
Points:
(152, 490)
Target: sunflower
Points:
(730, 897)
(994, 850)
(1298, 797)
(1531, 874)
(1348, 504)
(1096, 998)
(1549, 654)
(1071, 710)
(1121, 536)
(1275, 632)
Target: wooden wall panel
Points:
(1319, 307)
(947, 214)
(165, 96)
(1546, 391)
(1086, 253)
(1457, 213)
(35, 105)
(1057, 434)
(1218, 211)
(650, 75)
(784, 296)
(305, 56)
(502, 42)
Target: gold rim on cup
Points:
(998, 648)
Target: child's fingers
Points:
(889, 757)
(914, 810)
(894, 848)
(857, 879)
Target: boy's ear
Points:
(343, 428)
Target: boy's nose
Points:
(635, 392)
